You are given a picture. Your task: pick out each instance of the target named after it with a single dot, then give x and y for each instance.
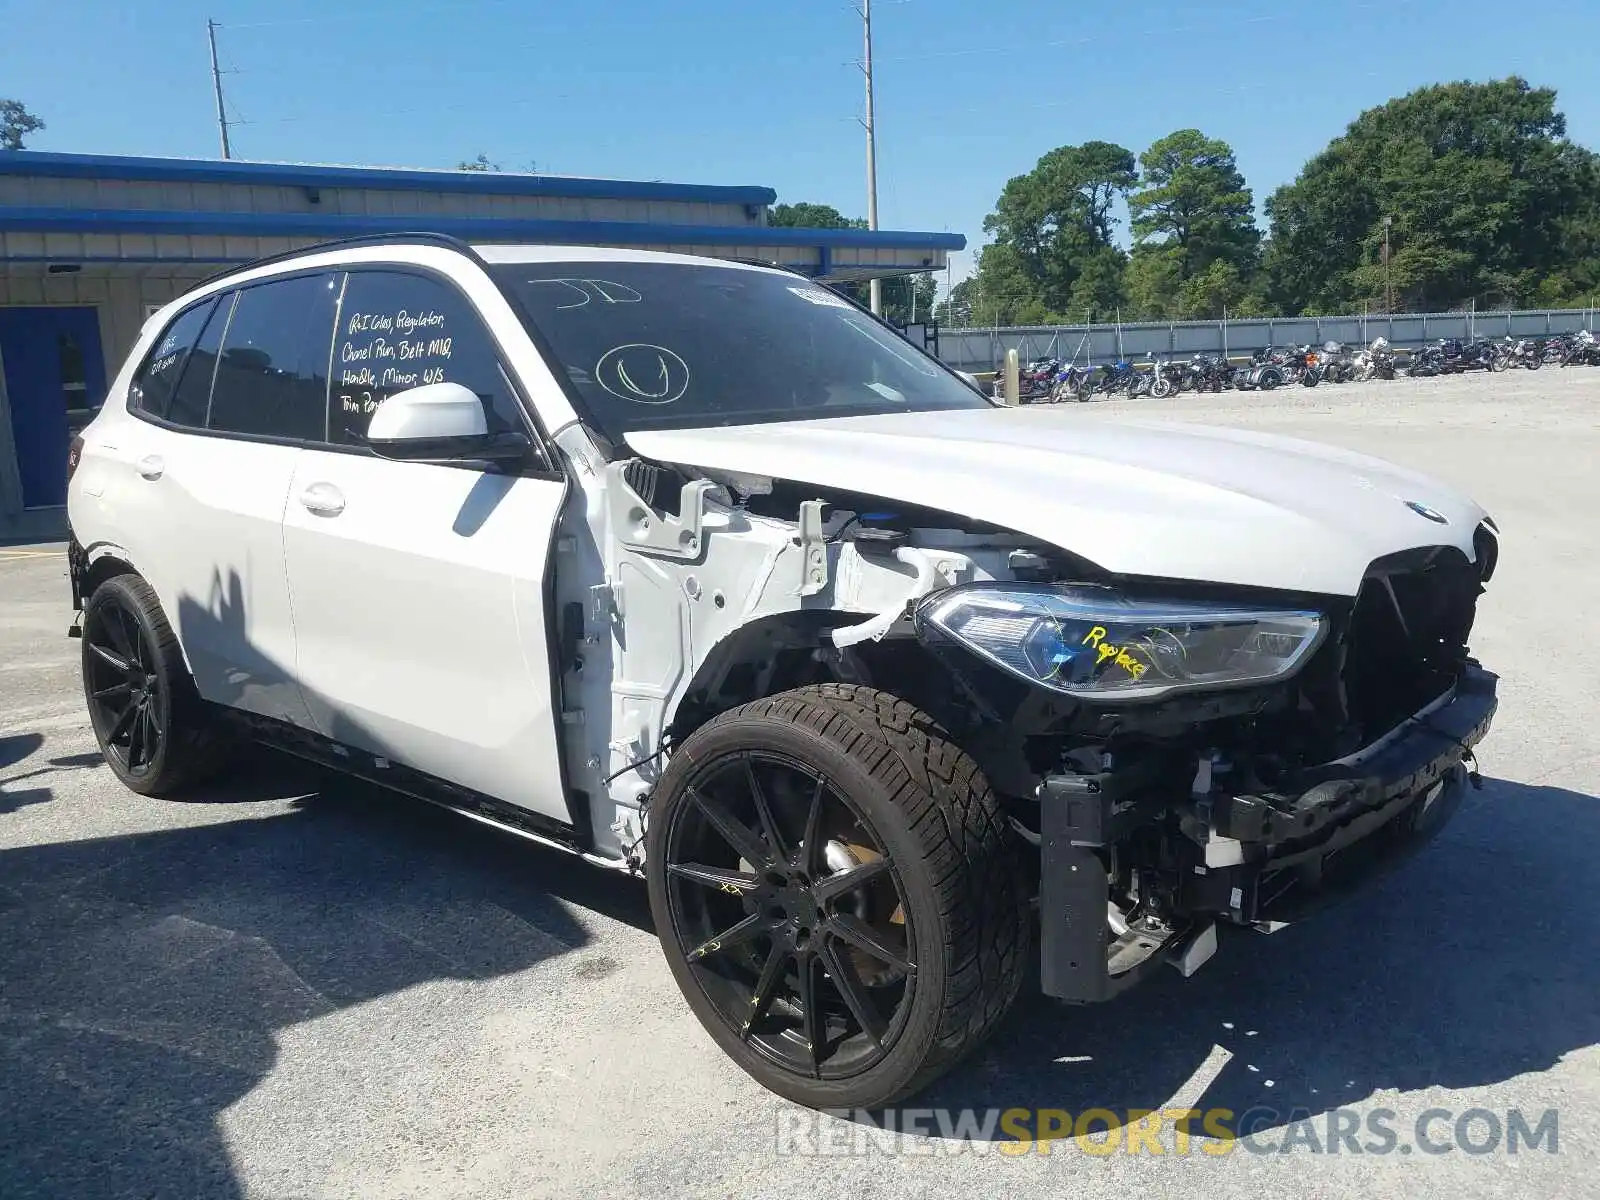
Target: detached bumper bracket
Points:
(1079, 960)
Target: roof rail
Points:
(366, 239)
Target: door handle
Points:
(322, 499)
(150, 466)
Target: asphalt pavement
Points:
(296, 986)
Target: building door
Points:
(55, 382)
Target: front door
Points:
(55, 381)
(418, 589)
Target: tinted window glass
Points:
(193, 394)
(661, 345)
(399, 331)
(156, 381)
(272, 376)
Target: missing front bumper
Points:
(1351, 822)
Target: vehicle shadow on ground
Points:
(143, 978)
(1472, 964)
(14, 748)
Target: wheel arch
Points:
(783, 651)
(106, 560)
(98, 564)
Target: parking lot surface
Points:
(295, 986)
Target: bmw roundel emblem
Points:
(1422, 510)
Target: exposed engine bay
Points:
(1167, 787)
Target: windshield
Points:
(661, 345)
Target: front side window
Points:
(156, 380)
(272, 373)
(398, 331)
(661, 345)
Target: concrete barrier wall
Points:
(985, 349)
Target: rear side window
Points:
(272, 373)
(399, 331)
(157, 380)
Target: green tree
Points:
(16, 123)
(1192, 209)
(1056, 226)
(481, 163)
(812, 216)
(955, 310)
(1004, 293)
(907, 296)
(1154, 282)
(1488, 203)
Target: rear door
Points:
(419, 589)
(207, 475)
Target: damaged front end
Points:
(1229, 759)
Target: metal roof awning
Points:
(67, 235)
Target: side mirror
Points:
(970, 380)
(439, 422)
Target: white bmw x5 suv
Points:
(698, 570)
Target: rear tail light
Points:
(74, 455)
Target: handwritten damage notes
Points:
(380, 353)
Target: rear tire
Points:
(155, 732)
(864, 776)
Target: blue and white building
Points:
(90, 245)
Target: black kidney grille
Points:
(1407, 640)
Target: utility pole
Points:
(216, 83)
(1388, 292)
(875, 288)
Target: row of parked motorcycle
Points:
(1050, 380)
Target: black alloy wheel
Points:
(156, 733)
(789, 909)
(128, 704)
(838, 893)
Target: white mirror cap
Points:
(435, 410)
(972, 380)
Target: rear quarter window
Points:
(193, 394)
(156, 381)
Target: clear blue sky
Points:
(970, 92)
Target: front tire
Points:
(838, 894)
(155, 732)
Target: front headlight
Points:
(1094, 642)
